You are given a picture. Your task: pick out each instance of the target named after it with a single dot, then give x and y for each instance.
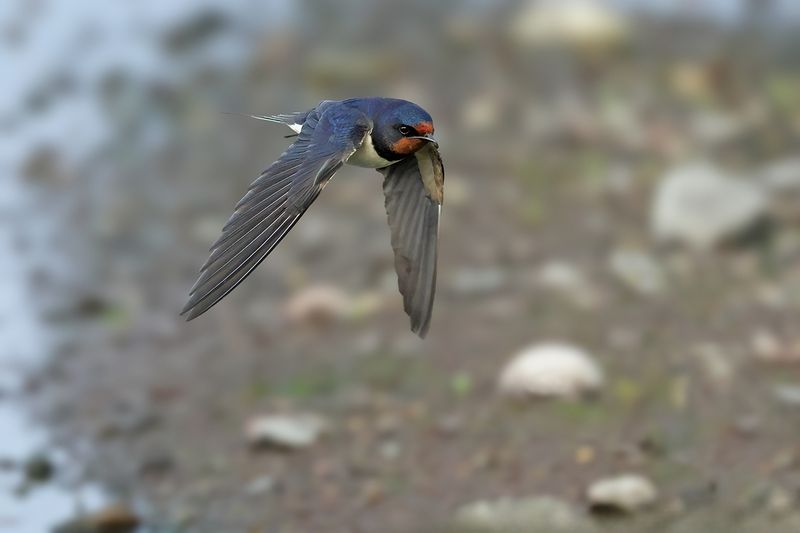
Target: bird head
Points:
(400, 129)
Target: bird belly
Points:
(366, 156)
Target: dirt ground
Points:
(553, 160)
(417, 427)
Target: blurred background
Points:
(615, 344)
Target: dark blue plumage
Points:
(393, 136)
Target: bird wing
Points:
(414, 189)
(276, 200)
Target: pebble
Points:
(481, 112)
(788, 395)
(626, 493)
(528, 515)
(551, 370)
(638, 271)
(285, 431)
(390, 450)
(717, 365)
(116, 518)
(317, 304)
(39, 468)
(701, 206)
(477, 282)
(782, 176)
(260, 485)
(567, 279)
(769, 349)
(576, 23)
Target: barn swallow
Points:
(393, 136)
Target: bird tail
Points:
(294, 121)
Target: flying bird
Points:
(390, 135)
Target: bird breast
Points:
(366, 156)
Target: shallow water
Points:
(26, 343)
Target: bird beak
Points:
(427, 137)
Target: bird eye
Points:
(405, 130)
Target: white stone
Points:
(567, 280)
(318, 303)
(260, 485)
(528, 515)
(781, 179)
(561, 276)
(478, 281)
(788, 395)
(638, 271)
(626, 493)
(480, 112)
(285, 431)
(782, 175)
(710, 127)
(576, 22)
(551, 370)
(701, 206)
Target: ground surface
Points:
(553, 157)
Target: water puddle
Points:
(25, 344)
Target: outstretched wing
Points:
(275, 202)
(414, 190)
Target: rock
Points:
(624, 338)
(700, 206)
(638, 271)
(788, 395)
(117, 518)
(481, 112)
(769, 349)
(771, 295)
(782, 176)
(194, 30)
(780, 501)
(476, 282)
(371, 493)
(626, 493)
(715, 128)
(43, 165)
(695, 496)
(567, 279)
(528, 515)
(260, 485)
(285, 431)
(716, 364)
(449, 425)
(39, 468)
(551, 370)
(588, 23)
(747, 425)
(156, 464)
(390, 450)
(460, 192)
(317, 304)
(782, 180)
(130, 421)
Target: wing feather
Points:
(276, 200)
(414, 192)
